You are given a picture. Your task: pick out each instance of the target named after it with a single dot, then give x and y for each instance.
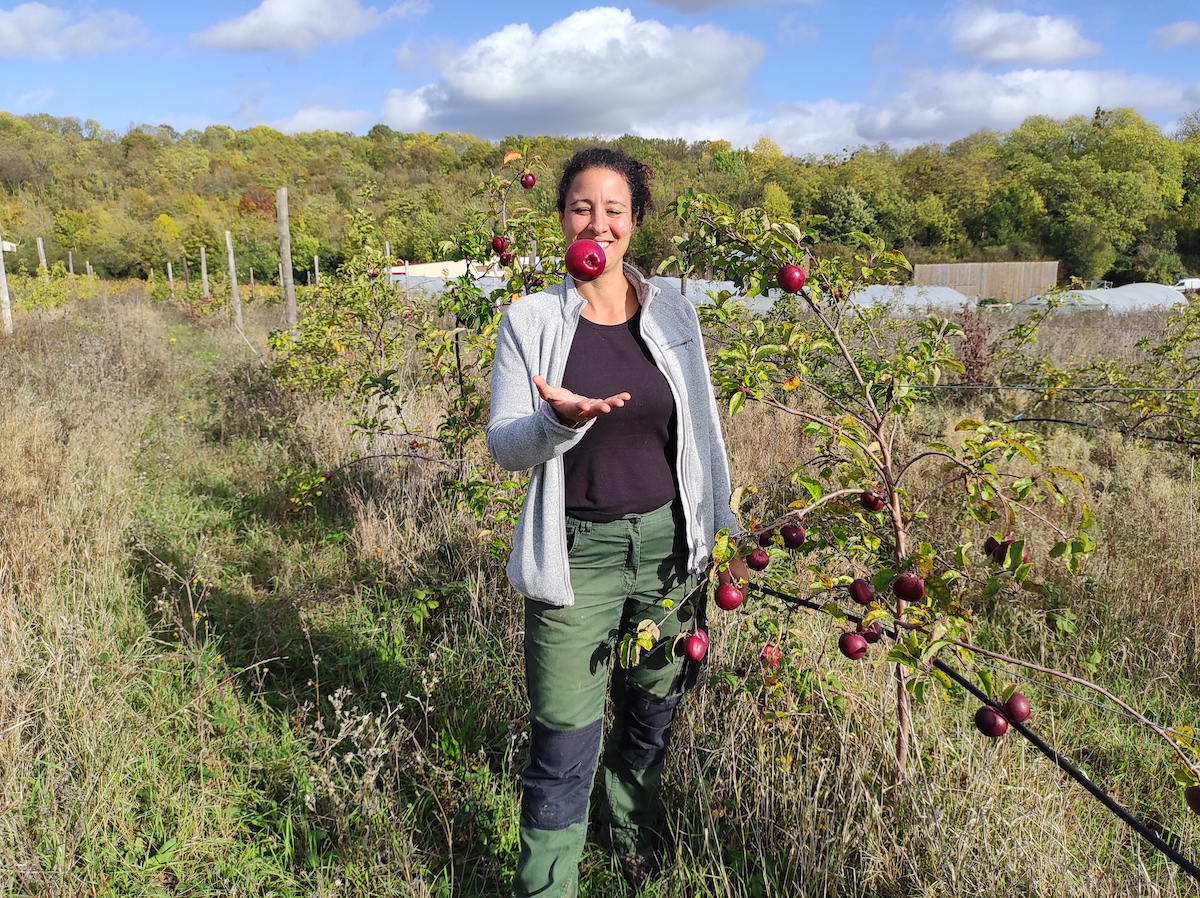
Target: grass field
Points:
(207, 688)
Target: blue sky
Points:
(816, 76)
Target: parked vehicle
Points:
(1188, 284)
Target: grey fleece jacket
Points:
(523, 431)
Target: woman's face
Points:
(599, 207)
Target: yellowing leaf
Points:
(791, 383)
(510, 156)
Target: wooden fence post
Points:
(290, 314)
(42, 259)
(235, 297)
(89, 268)
(6, 319)
(387, 249)
(171, 279)
(71, 263)
(316, 269)
(204, 271)
(252, 285)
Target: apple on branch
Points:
(790, 278)
(728, 597)
(793, 536)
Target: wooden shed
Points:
(1005, 281)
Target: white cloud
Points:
(820, 127)
(706, 5)
(33, 99)
(937, 108)
(947, 105)
(301, 25)
(1177, 34)
(34, 29)
(988, 35)
(323, 118)
(596, 72)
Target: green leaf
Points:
(985, 681)
(883, 579)
(834, 610)
(736, 401)
(813, 487)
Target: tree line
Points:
(1110, 195)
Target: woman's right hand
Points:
(572, 408)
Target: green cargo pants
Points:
(620, 572)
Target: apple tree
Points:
(853, 374)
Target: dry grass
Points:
(193, 669)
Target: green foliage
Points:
(1110, 195)
(853, 375)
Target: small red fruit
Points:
(1192, 796)
(729, 597)
(1016, 708)
(528, 180)
(871, 500)
(908, 587)
(758, 560)
(871, 634)
(695, 647)
(499, 244)
(793, 536)
(770, 655)
(506, 259)
(413, 444)
(852, 645)
(862, 591)
(766, 537)
(585, 260)
(328, 475)
(991, 722)
(791, 278)
(1000, 552)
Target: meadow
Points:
(212, 683)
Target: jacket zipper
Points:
(684, 418)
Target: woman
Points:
(625, 496)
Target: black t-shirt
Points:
(625, 463)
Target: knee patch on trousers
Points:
(647, 730)
(557, 781)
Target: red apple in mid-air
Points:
(765, 538)
(852, 645)
(991, 722)
(585, 260)
(862, 591)
(528, 180)
(758, 560)
(506, 259)
(871, 500)
(696, 645)
(1192, 796)
(1016, 708)
(790, 278)
(793, 536)
(770, 655)
(728, 597)
(908, 587)
(499, 244)
(872, 634)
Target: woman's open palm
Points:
(575, 408)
